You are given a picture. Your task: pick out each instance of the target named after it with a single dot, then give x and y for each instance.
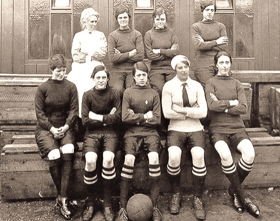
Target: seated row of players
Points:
(183, 102)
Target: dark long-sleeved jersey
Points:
(101, 102)
(140, 99)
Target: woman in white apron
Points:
(89, 47)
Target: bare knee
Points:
(153, 158)
(198, 156)
(174, 154)
(247, 150)
(91, 159)
(108, 158)
(129, 160)
(67, 148)
(54, 154)
(224, 152)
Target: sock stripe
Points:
(108, 169)
(90, 180)
(229, 169)
(173, 172)
(127, 172)
(154, 170)
(199, 171)
(153, 166)
(173, 168)
(245, 166)
(108, 173)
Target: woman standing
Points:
(56, 105)
(209, 37)
(89, 47)
(226, 101)
(161, 45)
(125, 49)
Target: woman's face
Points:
(160, 21)
(91, 23)
(58, 73)
(140, 78)
(101, 79)
(123, 20)
(209, 12)
(223, 65)
(182, 71)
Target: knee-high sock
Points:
(232, 175)
(90, 179)
(243, 170)
(198, 175)
(126, 175)
(66, 168)
(174, 178)
(108, 175)
(55, 171)
(154, 175)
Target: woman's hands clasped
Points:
(59, 133)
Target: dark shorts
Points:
(186, 140)
(94, 143)
(46, 142)
(232, 140)
(132, 145)
(203, 74)
(158, 78)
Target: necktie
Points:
(186, 102)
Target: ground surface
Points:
(217, 204)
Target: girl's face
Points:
(58, 73)
(209, 12)
(101, 79)
(182, 71)
(91, 23)
(223, 65)
(160, 21)
(141, 78)
(123, 20)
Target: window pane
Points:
(60, 37)
(144, 3)
(61, 3)
(244, 35)
(224, 4)
(244, 6)
(143, 22)
(38, 31)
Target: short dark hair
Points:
(57, 61)
(159, 11)
(140, 65)
(217, 56)
(206, 3)
(122, 9)
(99, 68)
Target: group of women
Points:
(58, 102)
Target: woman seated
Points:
(226, 101)
(56, 105)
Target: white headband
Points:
(177, 59)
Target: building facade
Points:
(32, 30)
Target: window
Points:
(144, 4)
(61, 4)
(224, 4)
